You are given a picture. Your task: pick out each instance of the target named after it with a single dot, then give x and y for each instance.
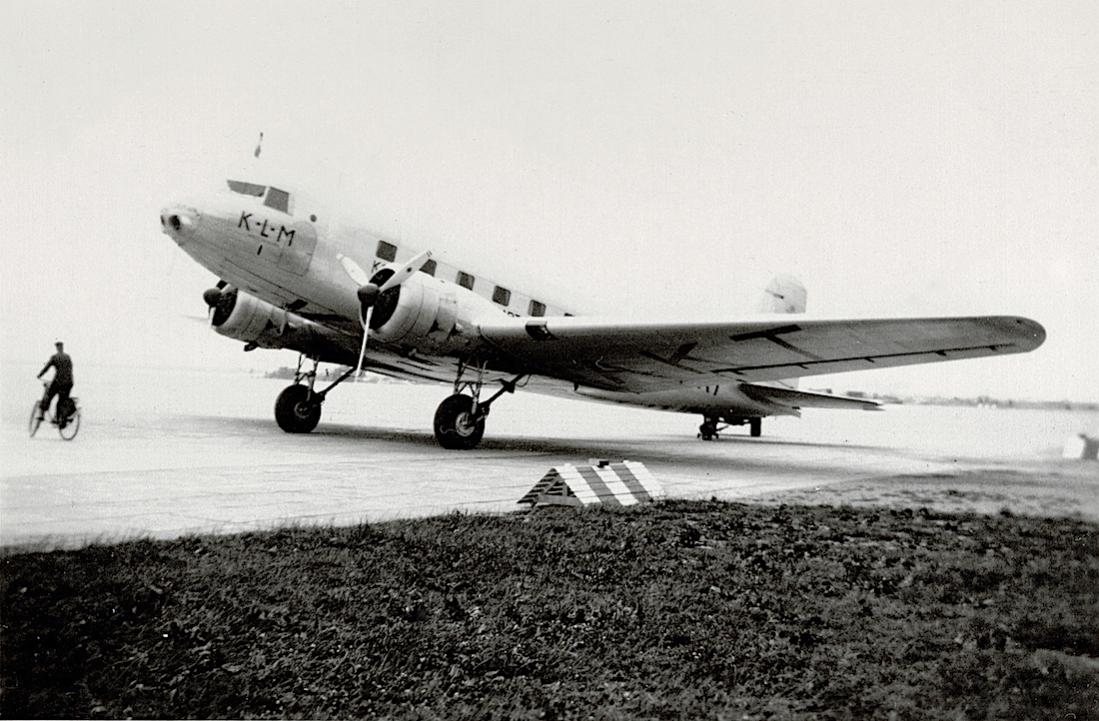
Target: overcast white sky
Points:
(901, 158)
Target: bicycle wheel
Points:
(36, 419)
(71, 426)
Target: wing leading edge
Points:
(647, 356)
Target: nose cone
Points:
(178, 221)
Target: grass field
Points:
(678, 610)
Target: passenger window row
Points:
(387, 252)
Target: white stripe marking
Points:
(646, 479)
(616, 486)
(579, 486)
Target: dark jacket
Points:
(62, 368)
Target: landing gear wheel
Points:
(455, 426)
(755, 427)
(708, 430)
(297, 409)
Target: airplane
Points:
(293, 276)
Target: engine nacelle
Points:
(428, 314)
(258, 323)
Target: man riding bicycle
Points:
(62, 383)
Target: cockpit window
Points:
(239, 186)
(277, 199)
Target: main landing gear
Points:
(460, 419)
(298, 407)
(710, 427)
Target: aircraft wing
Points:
(645, 356)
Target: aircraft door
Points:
(297, 245)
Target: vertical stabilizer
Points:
(784, 294)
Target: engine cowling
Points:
(427, 314)
(256, 322)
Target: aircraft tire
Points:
(295, 412)
(755, 427)
(453, 429)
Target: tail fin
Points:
(784, 294)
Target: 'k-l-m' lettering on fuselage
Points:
(265, 228)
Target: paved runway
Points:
(164, 457)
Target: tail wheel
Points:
(456, 427)
(297, 409)
(36, 418)
(755, 427)
(70, 426)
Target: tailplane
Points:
(784, 294)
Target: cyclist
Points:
(62, 383)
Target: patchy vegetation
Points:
(679, 610)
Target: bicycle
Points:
(66, 419)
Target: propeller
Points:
(368, 291)
(212, 296)
(219, 302)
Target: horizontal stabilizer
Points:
(805, 399)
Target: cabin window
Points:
(277, 199)
(501, 296)
(239, 186)
(465, 280)
(536, 309)
(386, 251)
(428, 267)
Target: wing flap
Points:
(793, 398)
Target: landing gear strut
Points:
(298, 407)
(460, 418)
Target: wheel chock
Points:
(1081, 447)
(626, 483)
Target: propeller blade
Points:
(362, 349)
(405, 272)
(354, 270)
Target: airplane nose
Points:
(178, 220)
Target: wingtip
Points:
(1030, 331)
(1035, 330)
